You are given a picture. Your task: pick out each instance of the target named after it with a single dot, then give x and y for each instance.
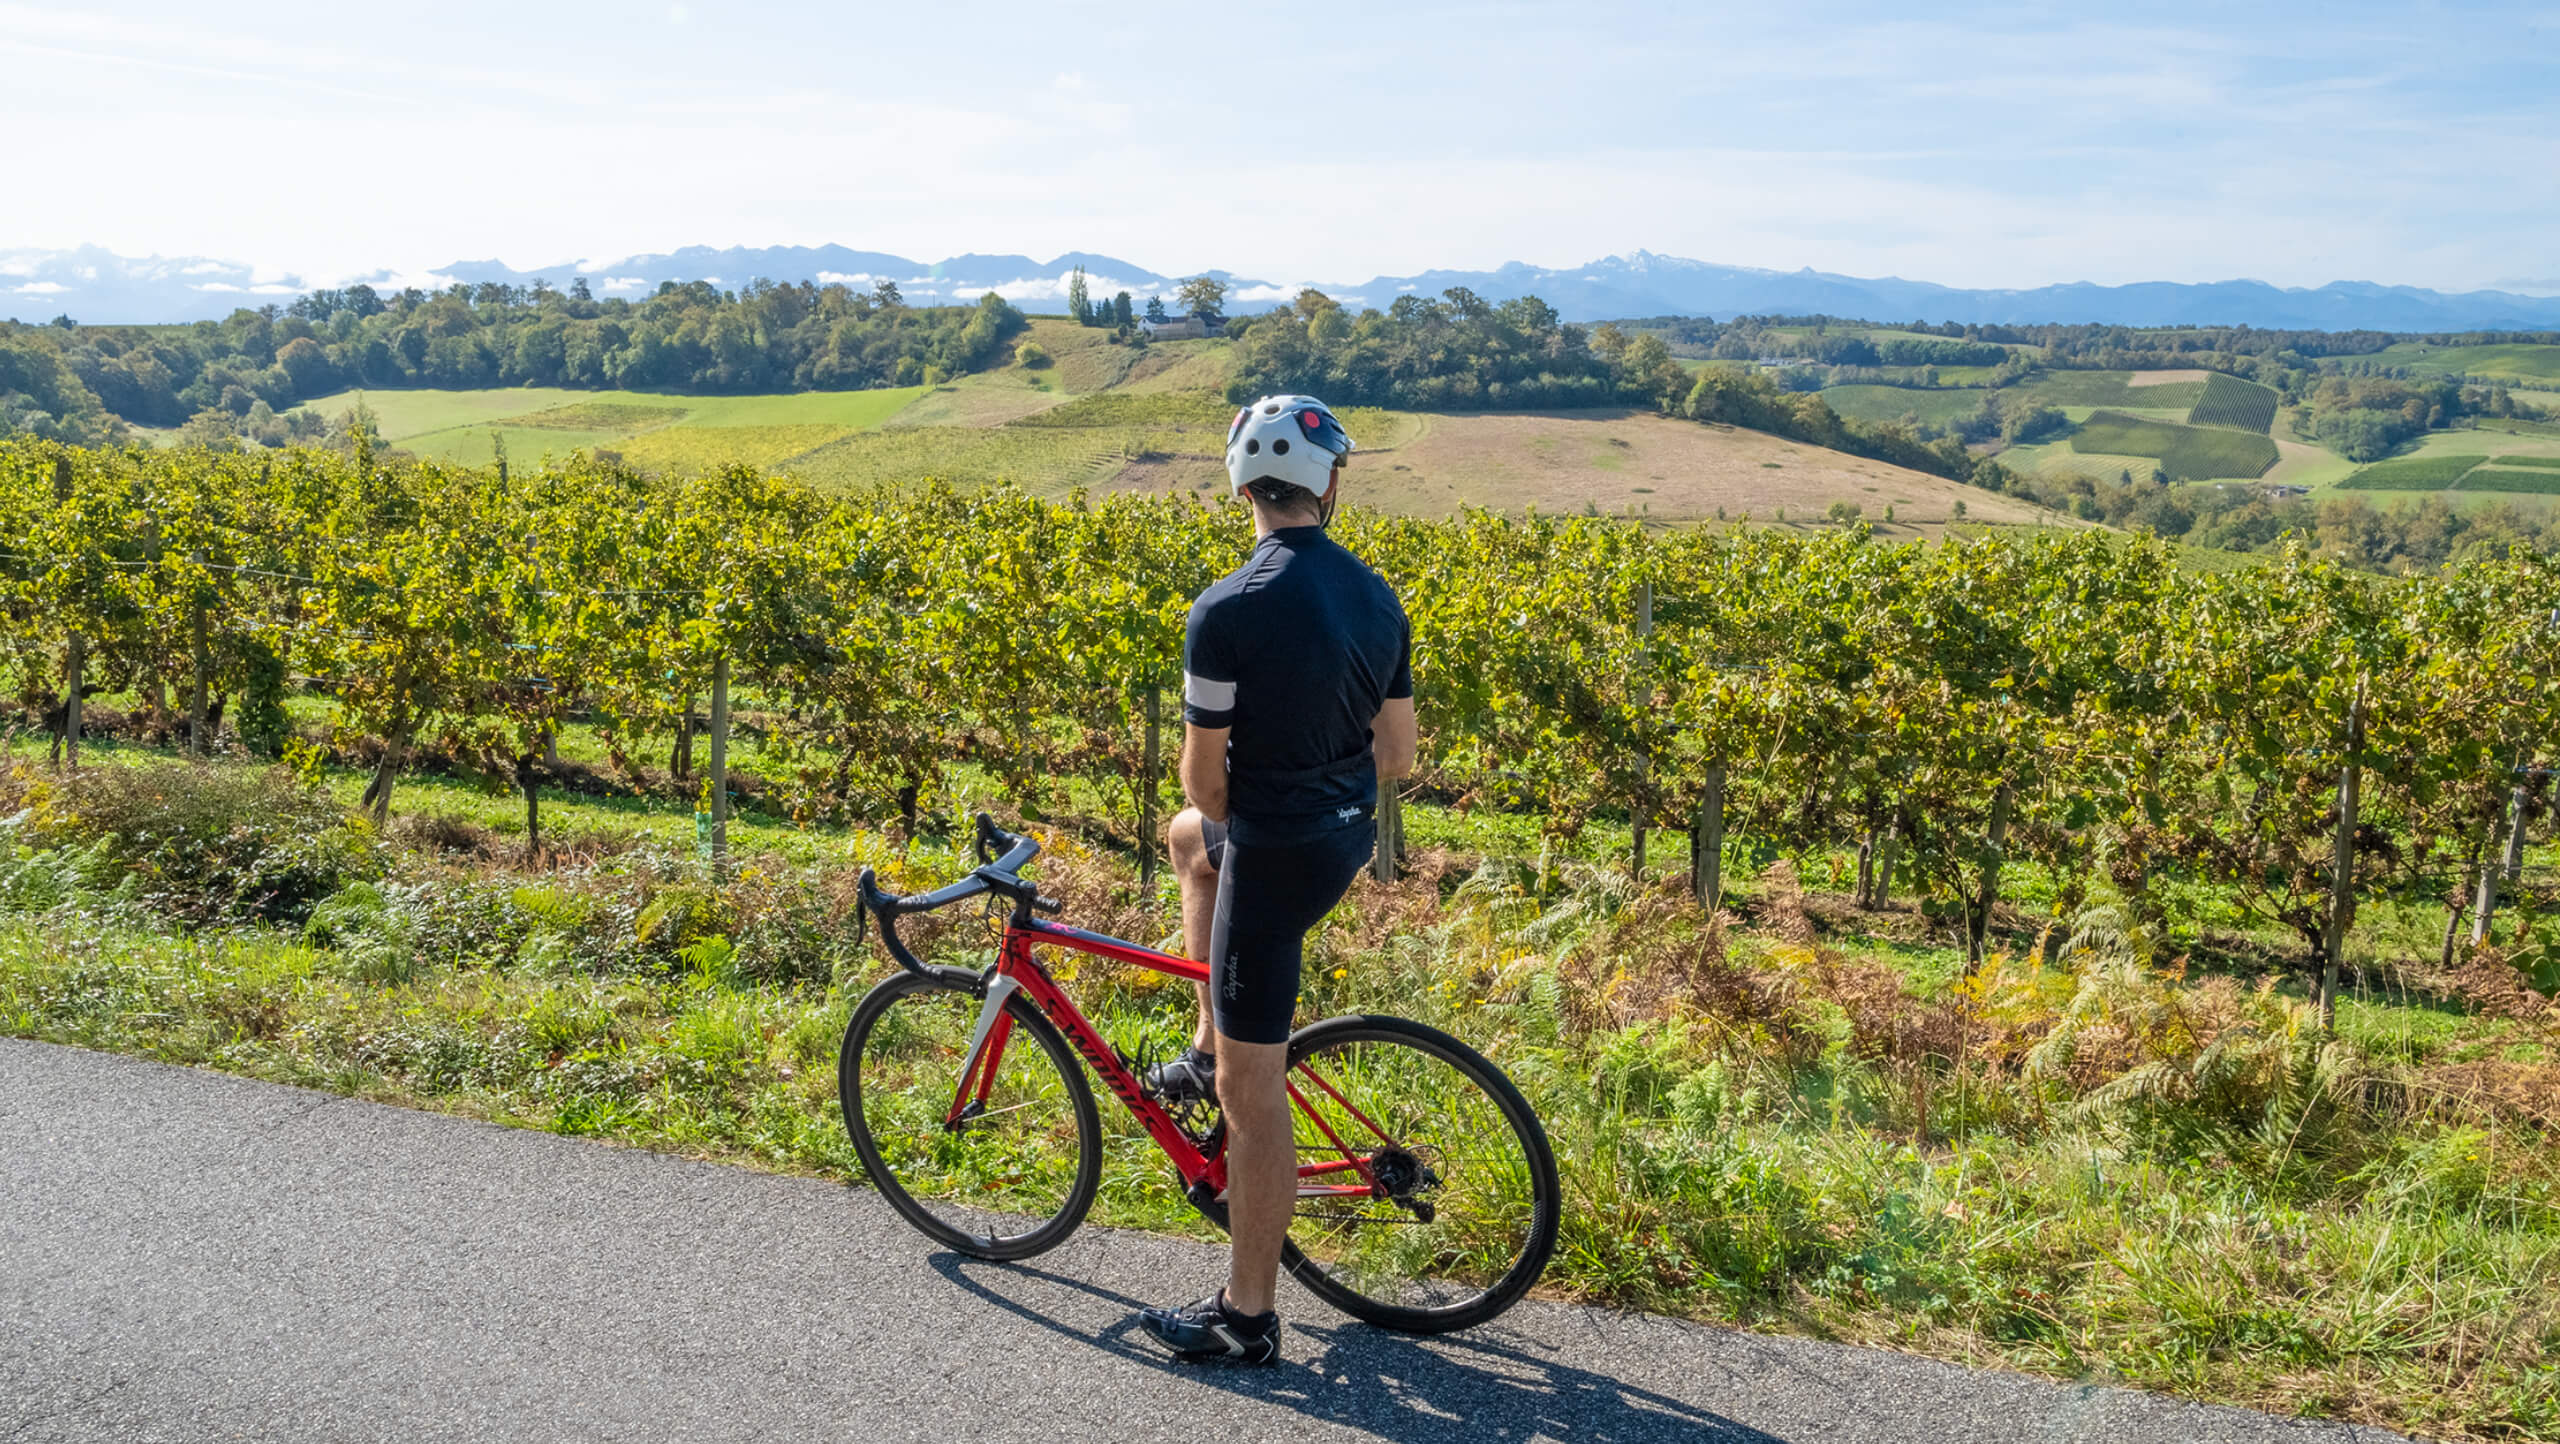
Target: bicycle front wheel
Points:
(983, 1137)
(1427, 1196)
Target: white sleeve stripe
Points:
(1210, 696)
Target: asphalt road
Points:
(187, 1256)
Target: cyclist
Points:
(1297, 699)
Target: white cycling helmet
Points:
(1286, 438)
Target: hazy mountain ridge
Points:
(95, 285)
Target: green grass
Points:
(2412, 473)
(1145, 409)
(2185, 453)
(1045, 459)
(477, 445)
(601, 416)
(1742, 1135)
(2110, 388)
(2524, 361)
(2230, 401)
(2546, 462)
(1937, 406)
(2531, 483)
(419, 413)
(699, 449)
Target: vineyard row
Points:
(2296, 734)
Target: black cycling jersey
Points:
(1295, 651)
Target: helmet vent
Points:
(1280, 447)
(1253, 448)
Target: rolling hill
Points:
(1100, 416)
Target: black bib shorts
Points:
(1269, 897)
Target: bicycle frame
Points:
(1204, 1174)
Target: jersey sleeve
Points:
(1208, 670)
(1401, 683)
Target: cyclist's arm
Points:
(1391, 737)
(1204, 770)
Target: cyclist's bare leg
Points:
(1262, 1167)
(1188, 852)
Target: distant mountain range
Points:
(95, 285)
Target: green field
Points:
(2524, 362)
(648, 428)
(2230, 401)
(2552, 462)
(2412, 473)
(2185, 453)
(1933, 405)
(478, 445)
(2110, 388)
(2529, 483)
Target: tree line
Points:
(693, 337)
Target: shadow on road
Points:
(1459, 1389)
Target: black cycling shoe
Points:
(1210, 1332)
(1191, 1078)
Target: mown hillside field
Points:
(1105, 416)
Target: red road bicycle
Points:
(1427, 1195)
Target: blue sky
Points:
(2010, 145)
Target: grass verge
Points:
(1797, 1118)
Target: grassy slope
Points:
(2525, 363)
(1937, 406)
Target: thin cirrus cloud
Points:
(1977, 144)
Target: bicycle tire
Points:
(1338, 1284)
(1027, 1021)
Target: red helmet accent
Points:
(1310, 420)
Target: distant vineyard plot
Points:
(2522, 361)
(2552, 462)
(2530, 483)
(1936, 406)
(2230, 401)
(2114, 388)
(2185, 453)
(2412, 473)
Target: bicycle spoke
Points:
(1437, 1229)
(981, 1149)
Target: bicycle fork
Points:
(986, 1053)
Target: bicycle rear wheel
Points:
(995, 1152)
(1427, 1196)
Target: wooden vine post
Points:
(1644, 702)
(2511, 866)
(1382, 863)
(720, 763)
(197, 742)
(73, 664)
(2342, 875)
(1147, 765)
(1706, 841)
(1977, 926)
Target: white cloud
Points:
(623, 283)
(42, 288)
